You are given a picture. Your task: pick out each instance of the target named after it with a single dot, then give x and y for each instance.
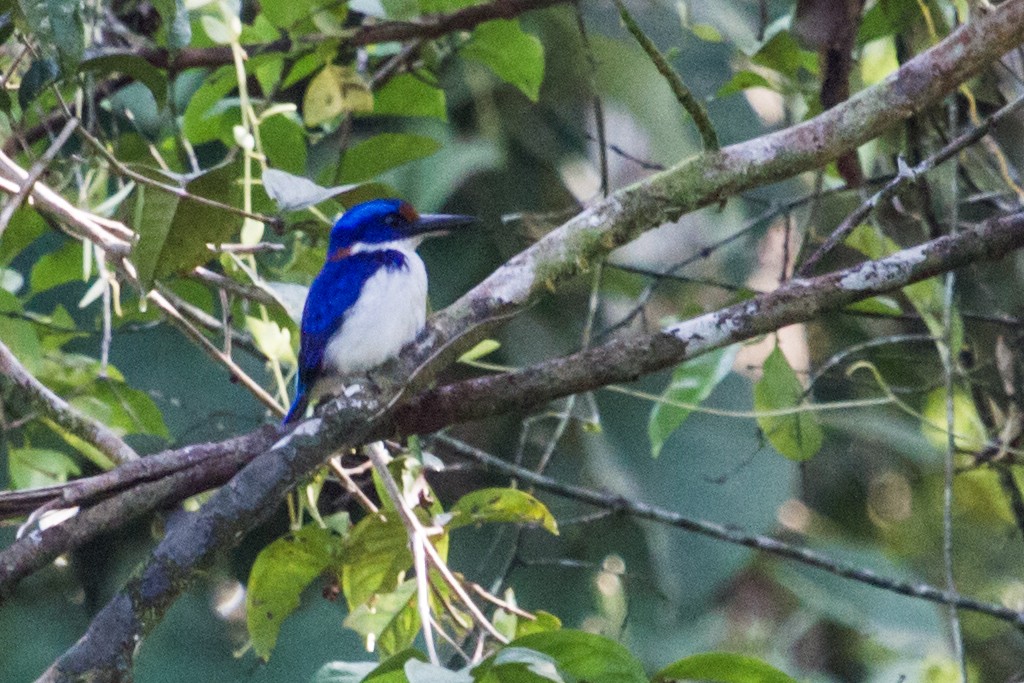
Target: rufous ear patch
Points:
(339, 254)
(407, 212)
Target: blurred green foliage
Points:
(498, 121)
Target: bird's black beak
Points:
(430, 224)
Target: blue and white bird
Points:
(370, 298)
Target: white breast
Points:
(389, 313)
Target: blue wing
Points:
(331, 296)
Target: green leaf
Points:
(122, 408)
(284, 143)
(743, 80)
(57, 267)
(31, 468)
(383, 152)
(692, 382)
(280, 573)
(173, 232)
(335, 90)
(500, 505)
(586, 656)
(484, 348)
(783, 54)
(409, 94)
(17, 334)
(40, 75)
(198, 124)
(544, 623)
(796, 435)
(376, 555)
(25, 227)
(134, 66)
(390, 622)
(176, 23)
(513, 55)
(722, 667)
(57, 25)
(284, 13)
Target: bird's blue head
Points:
(380, 221)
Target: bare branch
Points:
(33, 394)
(734, 535)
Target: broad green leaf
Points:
(783, 54)
(335, 90)
(280, 573)
(741, 81)
(513, 55)
(410, 94)
(969, 430)
(197, 122)
(376, 555)
(927, 296)
(390, 622)
(40, 76)
(57, 25)
(25, 227)
(57, 267)
(31, 468)
(544, 623)
(173, 232)
(383, 152)
(176, 24)
(284, 13)
(500, 505)
(284, 143)
(796, 435)
(586, 656)
(122, 408)
(18, 334)
(134, 66)
(692, 382)
(722, 667)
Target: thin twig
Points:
(734, 535)
(34, 173)
(905, 174)
(690, 103)
(183, 324)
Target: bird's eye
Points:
(390, 219)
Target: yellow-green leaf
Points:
(512, 54)
(796, 435)
(722, 667)
(500, 505)
(335, 90)
(280, 573)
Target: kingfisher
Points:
(370, 298)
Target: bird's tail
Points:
(298, 408)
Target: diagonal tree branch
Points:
(106, 650)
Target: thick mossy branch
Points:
(251, 495)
